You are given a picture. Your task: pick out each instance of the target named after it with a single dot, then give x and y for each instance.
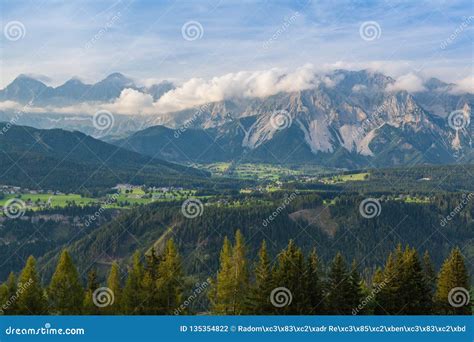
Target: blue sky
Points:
(144, 39)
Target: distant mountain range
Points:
(73, 161)
(352, 120)
(27, 90)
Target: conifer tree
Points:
(149, 285)
(92, 284)
(65, 291)
(453, 286)
(170, 280)
(378, 283)
(429, 272)
(11, 295)
(222, 290)
(414, 293)
(31, 300)
(314, 286)
(240, 275)
(356, 287)
(113, 283)
(386, 298)
(230, 292)
(339, 287)
(260, 293)
(132, 293)
(289, 273)
(3, 298)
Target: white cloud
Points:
(465, 85)
(132, 101)
(242, 84)
(409, 82)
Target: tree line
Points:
(292, 284)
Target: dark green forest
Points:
(294, 283)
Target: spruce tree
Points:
(92, 284)
(229, 294)
(260, 292)
(65, 291)
(11, 299)
(429, 271)
(414, 291)
(289, 274)
(356, 287)
(314, 286)
(149, 285)
(132, 293)
(338, 287)
(222, 289)
(3, 298)
(170, 280)
(113, 283)
(453, 286)
(240, 275)
(31, 299)
(387, 296)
